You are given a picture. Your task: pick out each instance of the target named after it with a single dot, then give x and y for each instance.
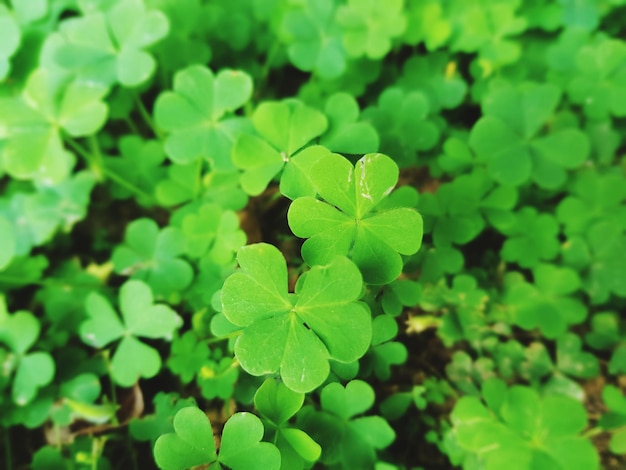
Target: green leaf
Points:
(187, 356)
(217, 378)
(356, 398)
(436, 76)
(140, 164)
(152, 255)
(313, 38)
(572, 360)
(10, 39)
(48, 104)
(352, 443)
(485, 27)
(103, 325)
(532, 238)
(189, 445)
(368, 27)
(140, 319)
(105, 47)
(427, 22)
(241, 448)
(345, 223)
(197, 114)
(526, 429)
(7, 241)
(401, 119)
(511, 144)
(346, 134)
(150, 427)
(283, 128)
(277, 402)
(306, 329)
(547, 304)
(213, 231)
(599, 83)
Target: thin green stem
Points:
(234, 334)
(598, 430)
(147, 118)
(94, 160)
(80, 150)
(265, 69)
(593, 432)
(132, 126)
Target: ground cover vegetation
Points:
(291, 234)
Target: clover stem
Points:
(145, 115)
(593, 432)
(265, 68)
(234, 334)
(95, 164)
(132, 126)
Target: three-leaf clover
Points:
(401, 119)
(509, 140)
(456, 213)
(346, 438)
(345, 222)
(484, 26)
(33, 370)
(283, 128)
(151, 255)
(427, 21)
(313, 38)
(532, 238)
(140, 318)
(546, 304)
(599, 83)
(295, 334)
(368, 26)
(435, 75)
(522, 430)
(106, 47)
(196, 114)
(192, 443)
(187, 356)
(50, 103)
(214, 232)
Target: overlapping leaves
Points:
(522, 430)
(284, 129)
(512, 145)
(50, 102)
(195, 114)
(304, 329)
(345, 220)
(108, 46)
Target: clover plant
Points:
(295, 234)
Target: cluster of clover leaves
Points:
(146, 147)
